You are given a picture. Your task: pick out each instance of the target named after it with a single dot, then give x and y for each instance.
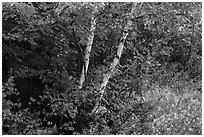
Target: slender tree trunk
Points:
(111, 69)
(88, 49)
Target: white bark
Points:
(88, 49)
(116, 59)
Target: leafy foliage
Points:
(156, 88)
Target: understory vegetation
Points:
(156, 88)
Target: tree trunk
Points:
(115, 61)
(88, 49)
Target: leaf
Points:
(101, 110)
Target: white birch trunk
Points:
(88, 49)
(115, 61)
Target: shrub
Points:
(175, 114)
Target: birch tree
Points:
(97, 108)
(88, 50)
(89, 45)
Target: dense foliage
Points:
(155, 90)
